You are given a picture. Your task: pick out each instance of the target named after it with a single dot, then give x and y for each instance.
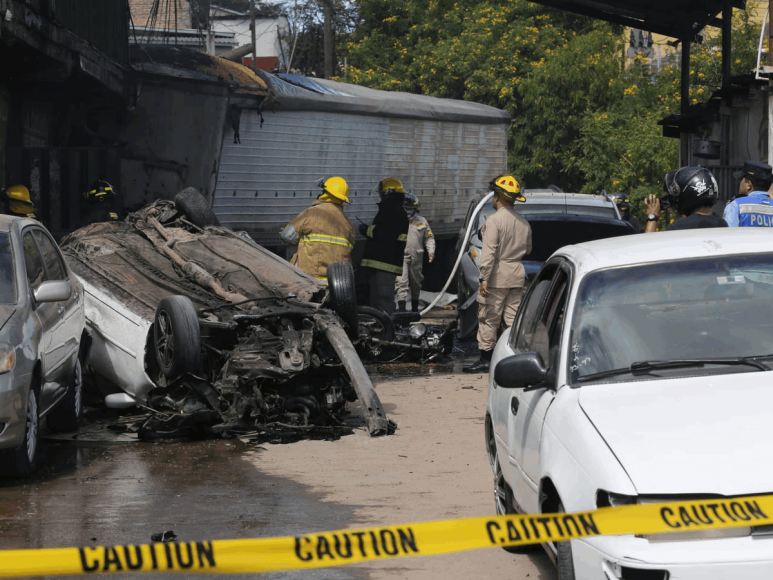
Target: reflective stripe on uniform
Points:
(323, 239)
(369, 233)
(322, 279)
(382, 266)
(402, 238)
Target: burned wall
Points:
(173, 139)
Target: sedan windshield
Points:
(7, 283)
(703, 315)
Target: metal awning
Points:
(681, 19)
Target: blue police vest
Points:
(756, 210)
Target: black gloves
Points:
(364, 229)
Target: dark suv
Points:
(557, 219)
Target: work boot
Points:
(415, 305)
(401, 305)
(482, 366)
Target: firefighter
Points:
(322, 232)
(382, 260)
(16, 201)
(506, 240)
(419, 236)
(100, 203)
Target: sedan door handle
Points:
(77, 296)
(61, 311)
(514, 404)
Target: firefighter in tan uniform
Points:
(419, 236)
(16, 201)
(506, 240)
(323, 233)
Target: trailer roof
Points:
(295, 92)
(676, 18)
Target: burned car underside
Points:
(213, 334)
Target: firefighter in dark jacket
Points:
(382, 260)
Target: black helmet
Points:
(621, 200)
(692, 187)
(410, 201)
(99, 191)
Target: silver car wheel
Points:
(32, 426)
(165, 342)
(500, 489)
(77, 384)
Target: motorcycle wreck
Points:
(402, 337)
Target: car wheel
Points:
(375, 324)
(67, 414)
(195, 207)
(505, 505)
(343, 301)
(564, 560)
(23, 460)
(177, 337)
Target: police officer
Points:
(382, 260)
(506, 240)
(16, 201)
(100, 204)
(692, 191)
(752, 206)
(322, 232)
(624, 204)
(419, 236)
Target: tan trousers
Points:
(500, 304)
(411, 279)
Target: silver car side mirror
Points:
(53, 291)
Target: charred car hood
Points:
(699, 435)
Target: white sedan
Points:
(640, 370)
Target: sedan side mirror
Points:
(520, 371)
(53, 291)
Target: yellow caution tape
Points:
(325, 549)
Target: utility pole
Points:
(328, 37)
(252, 27)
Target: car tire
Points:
(23, 460)
(504, 505)
(66, 416)
(564, 561)
(343, 300)
(177, 337)
(374, 323)
(190, 202)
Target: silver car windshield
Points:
(7, 281)
(671, 316)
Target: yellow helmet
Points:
(337, 187)
(390, 185)
(507, 187)
(19, 193)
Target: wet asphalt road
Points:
(104, 493)
(88, 494)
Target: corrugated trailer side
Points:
(270, 176)
(443, 150)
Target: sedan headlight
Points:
(7, 358)
(609, 499)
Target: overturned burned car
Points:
(211, 333)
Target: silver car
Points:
(41, 333)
